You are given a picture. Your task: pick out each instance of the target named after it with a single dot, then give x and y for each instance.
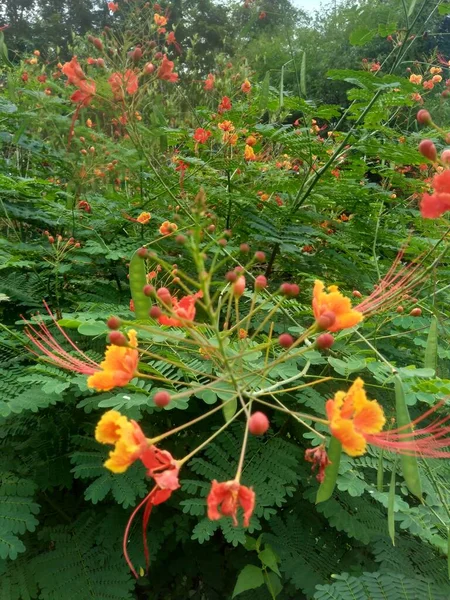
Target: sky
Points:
(309, 5)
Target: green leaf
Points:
(444, 9)
(92, 328)
(249, 578)
(346, 367)
(273, 583)
(362, 35)
(387, 29)
(70, 323)
(269, 558)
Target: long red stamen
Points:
(55, 353)
(394, 284)
(432, 441)
(148, 498)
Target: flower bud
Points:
(290, 290)
(161, 399)
(416, 312)
(258, 423)
(325, 341)
(244, 248)
(222, 242)
(445, 156)
(424, 117)
(142, 252)
(136, 55)
(155, 312)
(239, 287)
(285, 340)
(97, 43)
(428, 149)
(356, 294)
(164, 295)
(149, 68)
(231, 276)
(117, 338)
(260, 282)
(148, 290)
(180, 239)
(326, 320)
(260, 256)
(400, 309)
(113, 323)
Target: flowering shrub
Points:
(270, 278)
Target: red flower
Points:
(202, 135)
(319, 459)
(165, 71)
(42, 78)
(73, 72)
(127, 81)
(435, 205)
(229, 496)
(170, 39)
(184, 309)
(208, 84)
(24, 77)
(224, 105)
(113, 6)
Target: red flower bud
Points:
(148, 290)
(428, 149)
(424, 117)
(113, 322)
(161, 399)
(51, 239)
(155, 312)
(286, 340)
(239, 286)
(356, 294)
(222, 242)
(260, 282)
(231, 276)
(290, 290)
(164, 295)
(244, 248)
(97, 43)
(416, 312)
(326, 320)
(136, 55)
(445, 156)
(142, 252)
(258, 423)
(149, 68)
(400, 309)
(117, 338)
(260, 256)
(325, 341)
(180, 239)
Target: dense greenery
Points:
(314, 164)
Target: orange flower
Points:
(113, 6)
(224, 105)
(144, 218)
(119, 366)
(160, 20)
(249, 153)
(119, 81)
(127, 437)
(226, 126)
(334, 304)
(201, 135)
(229, 496)
(165, 71)
(208, 84)
(352, 416)
(167, 227)
(184, 309)
(246, 86)
(413, 78)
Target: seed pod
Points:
(327, 486)
(410, 467)
(138, 280)
(430, 360)
(391, 503)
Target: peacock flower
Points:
(127, 438)
(208, 84)
(165, 70)
(225, 498)
(167, 228)
(435, 205)
(224, 105)
(113, 6)
(128, 81)
(144, 218)
(201, 136)
(40, 336)
(119, 366)
(353, 418)
(160, 20)
(319, 459)
(335, 305)
(246, 87)
(183, 310)
(249, 153)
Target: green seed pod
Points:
(391, 502)
(410, 467)
(430, 360)
(138, 280)
(327, 486)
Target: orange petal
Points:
(108, 430)
(353, 443)
(370, 419)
